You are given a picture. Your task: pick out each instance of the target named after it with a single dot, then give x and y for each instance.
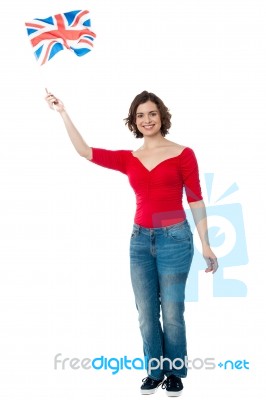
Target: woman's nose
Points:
(147, 118)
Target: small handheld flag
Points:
(69, 30)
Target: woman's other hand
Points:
(211, 260)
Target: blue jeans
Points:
(160, 260)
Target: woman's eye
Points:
(153, 114)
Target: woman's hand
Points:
(211, 260)
(54, 103)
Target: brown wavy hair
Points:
(142, 98)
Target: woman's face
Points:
(148, 119)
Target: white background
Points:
(65, 223)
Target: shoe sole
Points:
(150, 391)
(174, 394)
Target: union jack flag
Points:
(69, 30)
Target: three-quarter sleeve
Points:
(190, 175)
(112, 159)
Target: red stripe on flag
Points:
(32, 25)
(86, 41)
(47, 52)
(62, 34)
(76, 21)
(60, 22)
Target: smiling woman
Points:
(161, 243)
(151, 105)
(148, 118)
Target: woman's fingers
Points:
(53, 102)
(51, 99)
(212, 264)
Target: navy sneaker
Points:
(149, 385)
(173, 386)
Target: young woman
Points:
(161, 244)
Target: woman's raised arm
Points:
(77, 140)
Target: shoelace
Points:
(171, 381)
(148, 380)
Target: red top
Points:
(159, 191)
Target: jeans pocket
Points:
(180, 233)
(135, 233)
